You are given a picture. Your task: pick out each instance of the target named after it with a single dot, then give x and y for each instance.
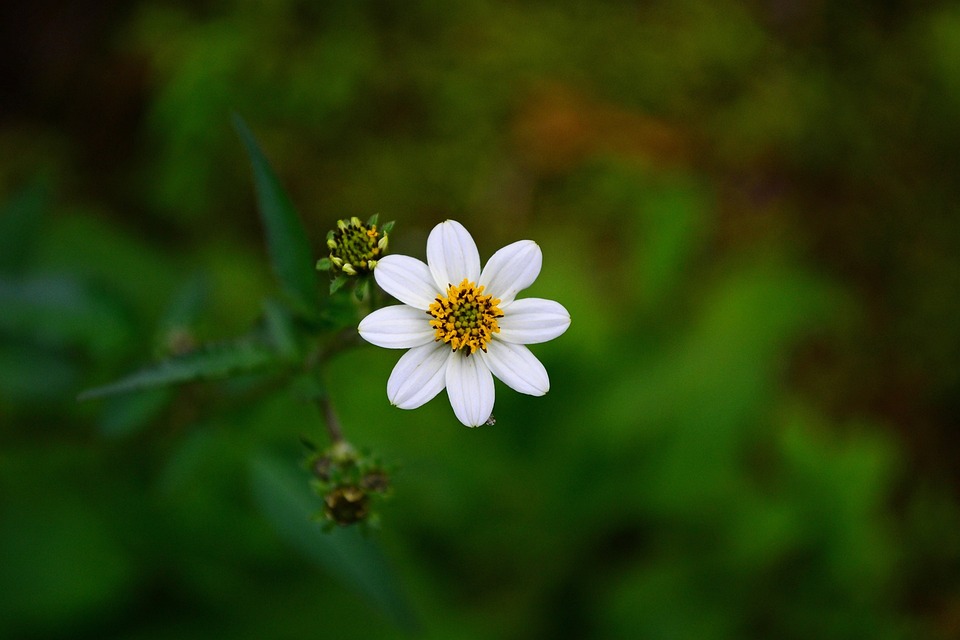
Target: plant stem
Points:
(330, 419)
(318, 357)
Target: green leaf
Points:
(127, 414)
(287, 502)
(324, 264)
(281, 330)
(337, 283)
(361, 289)
(287, 241)
(214, 361)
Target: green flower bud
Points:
(348, 481)
(355, 247)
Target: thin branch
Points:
(342, 340)
(330, 419)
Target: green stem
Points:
(341, 341)
(318, 358)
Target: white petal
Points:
(470, 388)
(452, 254)
(533, 320)
(517, 367)
(406, 279)
(397, 327)
(511, 270)
(418, 376)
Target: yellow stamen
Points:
(465, 318)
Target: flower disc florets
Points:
(465, 318)
(355, 246)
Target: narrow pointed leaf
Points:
(214, 361)
(361, 290)
(287, 241)
(285, 499)
(127, 414)
(337, 283)
(280, 329)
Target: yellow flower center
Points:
(465, 318)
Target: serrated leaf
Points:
(213, 361)
(286, 501)
(287, 241)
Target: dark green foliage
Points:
(287, 242)
(749, 210)
(344, 552)
(209, 362)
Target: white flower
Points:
(463, 326)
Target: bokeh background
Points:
(749, 208)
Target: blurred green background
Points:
(750, 210)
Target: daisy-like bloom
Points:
(463, 326)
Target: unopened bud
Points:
(355, 246)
